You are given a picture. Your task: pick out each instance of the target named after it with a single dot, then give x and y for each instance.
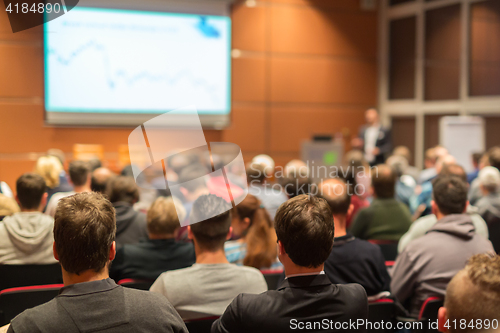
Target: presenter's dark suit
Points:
(383, 143)
(300, 299)
(100, 306)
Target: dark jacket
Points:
(131, 225)
(384, 143)
(100, 306)
(353, 260)
(302, 300)
(148, 259)
(489, 209)
(427, 264)
(385, 219)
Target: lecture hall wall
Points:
(304, 67)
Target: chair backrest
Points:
(202, 325)
(389, 248)
(13, 301)
(430, 308)
(272, 277)
(136, 284)
(12, 276)
(380, 310)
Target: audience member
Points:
(26, 237)
(374, 139)
(296, 181)
(5, 189)
(79, 174)
(405, 185)
(491, 158)
(161, 252)
(206, 288)
(476, 158)
(258, 186)
(305, 230)
(386, 218)
(84, 233)
(427, 264)
(8, 206)
(472, 296)
(352, 260)
(255, 238)
(425, 223)
(100, 178)
(357, 176)
(410, 170)
(50, 168)
(131, 226)
(64, 185)
(489, 205)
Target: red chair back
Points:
(430, 308)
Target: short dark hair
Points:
(454, 170)
(304, 225)
(494, 157)
(191, 179)
(122, 188)
(384, 181)
(210, 233)
(256, 173)
(338, 197)
(79, 172)
(30, 188)
(84, 230)
(450, 194)
(296, 184)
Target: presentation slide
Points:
(133, 62)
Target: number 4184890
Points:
(34, 8)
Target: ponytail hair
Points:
(260, 235)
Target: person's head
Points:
(443, 161)
(58, 153)
(494, 157)
(296, 167)
(30, 192)
(489, 179)
(449, 194)
(267, 162)
(79, 173)
(84, 233)
(430, 158)
(251, 221)
(472, 295)
(372, 116)
(440, 151)
(402, 151)
(122, 189)
(100, 178)
(336, 193)
(454, 170)
(163, 220)
(305, 230)
(398, 163)
(8, 206)
(383, 181)
(476, 158)
(256, 173)
(210, 234)
(49, 167)
(192, 179)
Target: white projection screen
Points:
(122, 66)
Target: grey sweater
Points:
(428, 263)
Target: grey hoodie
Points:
(26, 238)
(428, 263)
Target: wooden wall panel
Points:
(21, 68)
(403, 133)
(249, 28)
(249, 78)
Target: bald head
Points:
(100, 177)
(443, 161)
(335, 192)
(474, 293)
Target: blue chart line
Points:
(112, 79)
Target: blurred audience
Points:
(51, 169)
(258, 185)
(79, 174)
(64, 185)
(491, 158)
(352, 260)
(476, 159)
(84, 233)
(428, 263)
(357, 176)
(405, 184)
(26, 237)
(161, 252)
(423, 224)
(5, 190)
(296, 181)
(386, 218)
(305, 230)
(254, 234)
(8, 206)
(100, 178)
(206, 288)
(131, 226)
(489, 205)
(409, 170)
(472, 296)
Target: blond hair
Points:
(164, 216)
(8, 206)
(49, 167)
